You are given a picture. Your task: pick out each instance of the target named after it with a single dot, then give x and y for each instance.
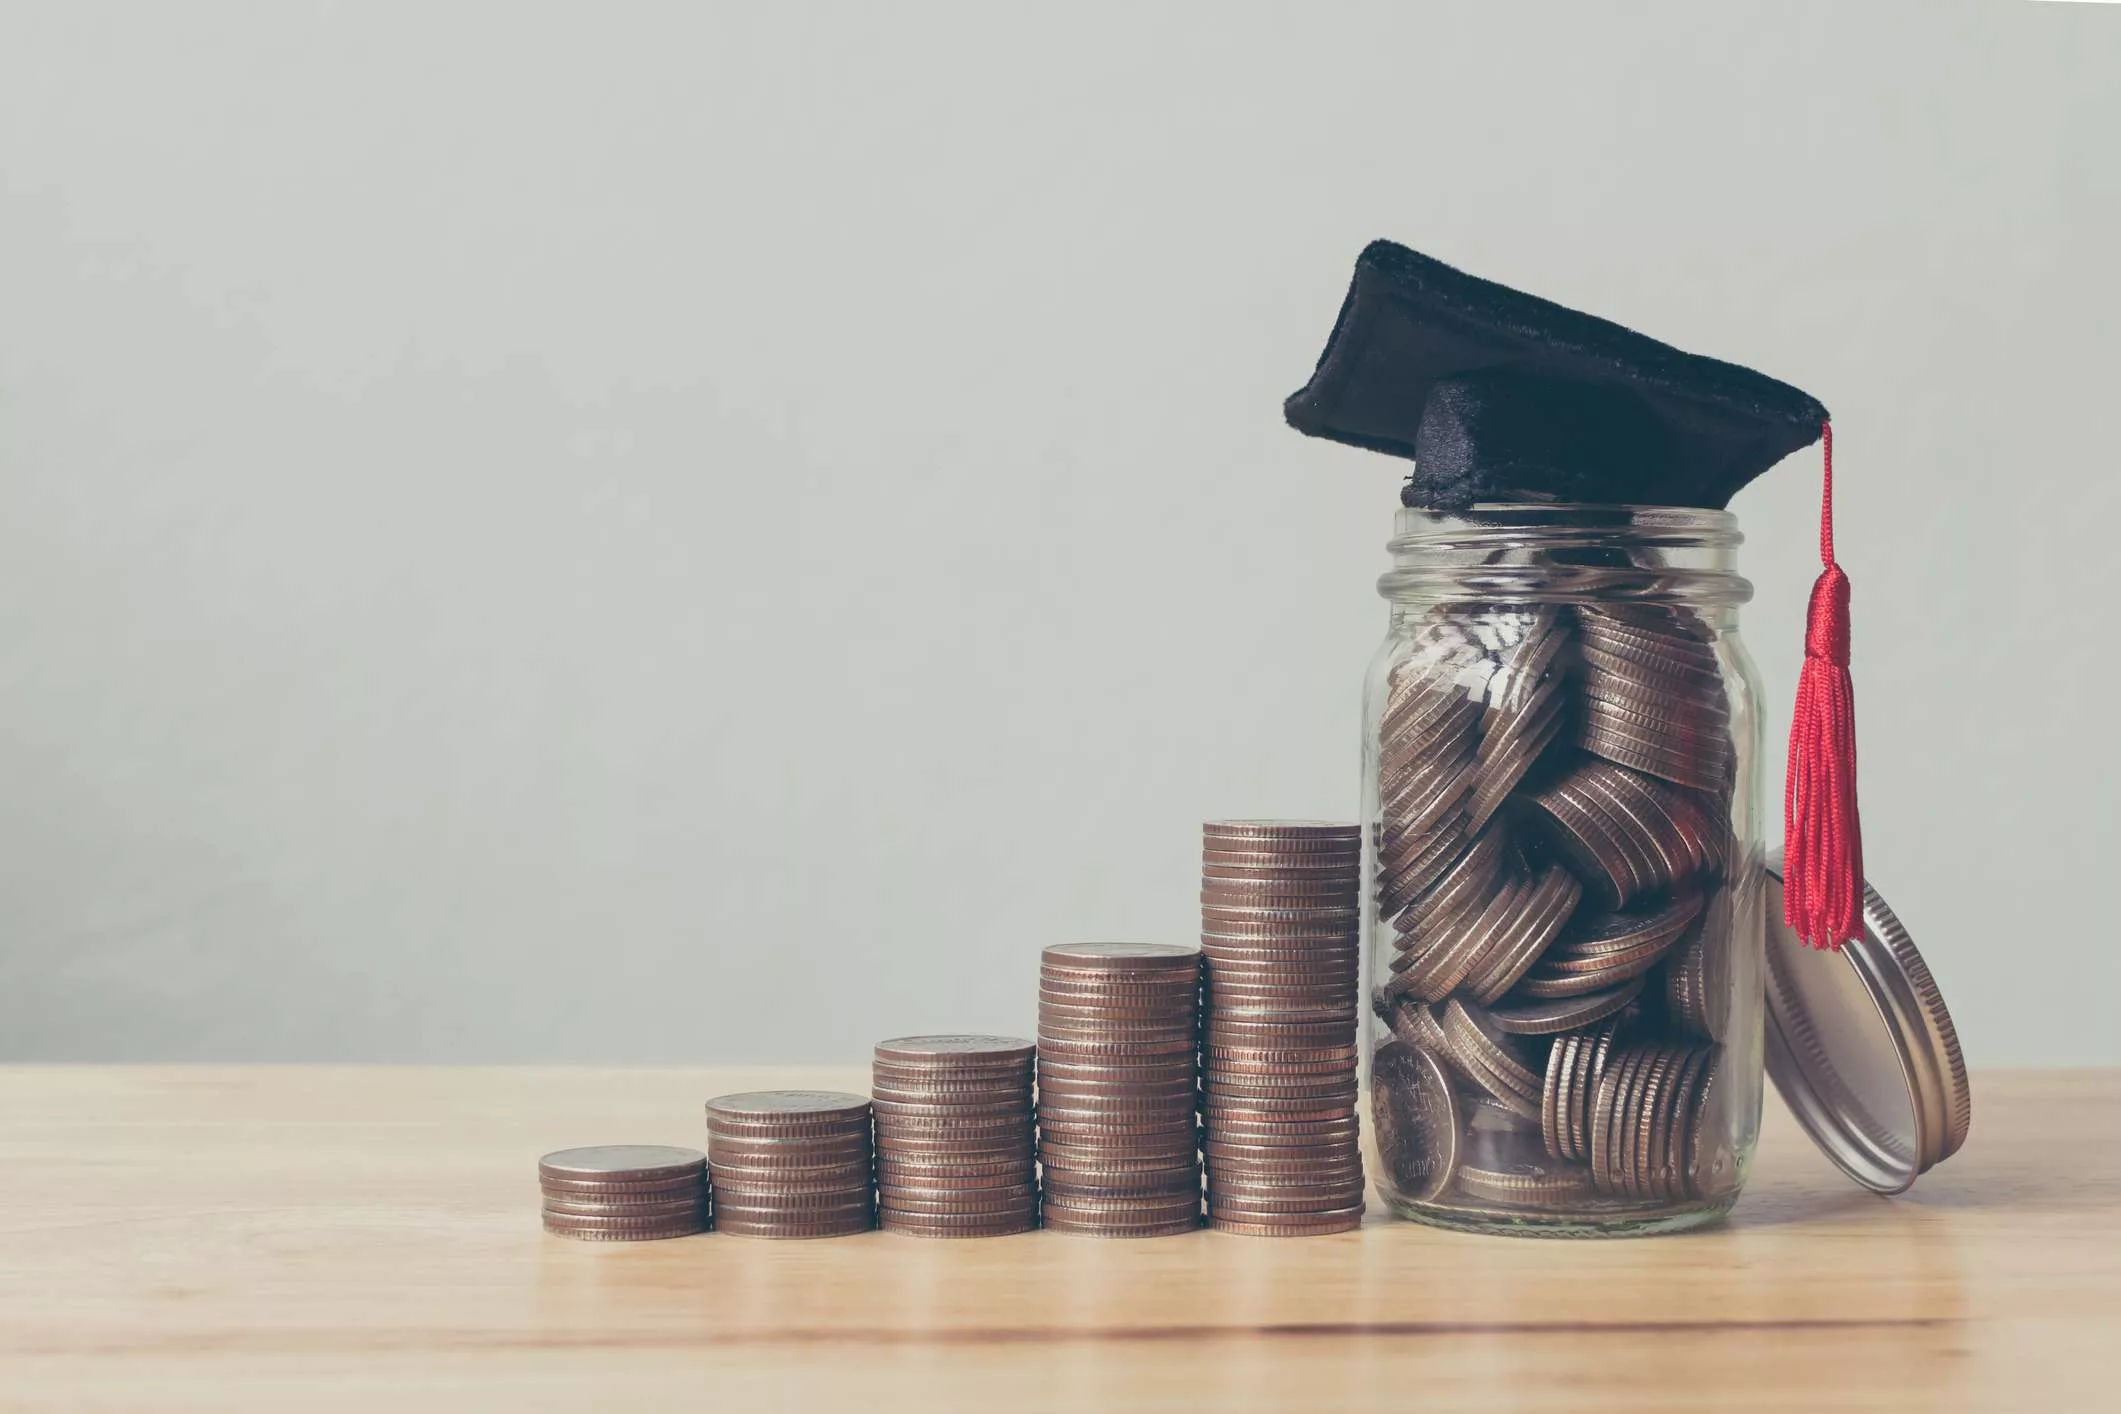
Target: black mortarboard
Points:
(1503, 396)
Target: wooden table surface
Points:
(295, 1239)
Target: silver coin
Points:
(623, 1163)
(1414, 1112)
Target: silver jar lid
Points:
(1862, 1049)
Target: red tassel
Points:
(1822, 880)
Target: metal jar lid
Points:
(1862, 1049)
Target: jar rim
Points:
(1506, 550)
(1602, 515)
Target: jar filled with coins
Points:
(1564, 926)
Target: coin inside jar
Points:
(1415, 1113)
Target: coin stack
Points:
(790, 1163)
(624, 1192)
(1552, 849)
(954, 1136)
(1118, 1092)
(1280, 906)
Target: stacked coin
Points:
(1655, 1129)
(954, 1136)
(1653, 697)
(1624, 834)
(1552, 835)
(1280, 921)
(624, 1192)
(790, 1163)
(1118, 1093)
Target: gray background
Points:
(668, 533)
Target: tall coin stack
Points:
(954, 1136)
(1118, 1134)
(624, 1192)
(790, 1163)
(1280, 905)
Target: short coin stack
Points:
(1279, 918)
(790, 1163)
(1118, 1133)
(624, 1192)
(954, 1136)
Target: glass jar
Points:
(1564, 927)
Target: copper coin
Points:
(1107, 1162)
(1448, 959)
(1118, 1213)
(788, 1173)
(1545, 1018)
(1124, 957)
(853, 1149)
(1466, 882)
(728, 1217)
(1165, 1080)
(944, 1200)
(1216, 1114)
(1085, 1123)
(1291, 834)
(777, 1107)
(1310, 921)
(965, 1114)
(1664, 1178)
(1503, 767)
(1301, 891)
(1306, 1225)
(1245, 1209)
(666, 1208)
(593, 1230)
(1414, 1110)
(1337, 963)
(795, 1231)
(1546, 909)
(1494, 1049)
(897, 1081)
(1129, 1208)
(623, 1163)
(648, 1192)
(1241, 1032)
(1651, 822)
(1243, 1071)
(1125, 1062)
(1017, 1096)
(1076, 1227)
(1254, 1130)
(1602, 950)
(1711, 1156)
(954, 1176)
(1136, 1002)
(1311, 1169)
(1090, 1048)
(1341, 963)
(906, 1226)
(1298, 1056)
(1083, 1042)
(949, 1049)
(1696, 768)
(1567, 829)
(1609, 1117)
(1698, 975)
(1241, 1087)
(1117, 1119)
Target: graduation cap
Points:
(1500, 396)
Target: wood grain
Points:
(296, 1239)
